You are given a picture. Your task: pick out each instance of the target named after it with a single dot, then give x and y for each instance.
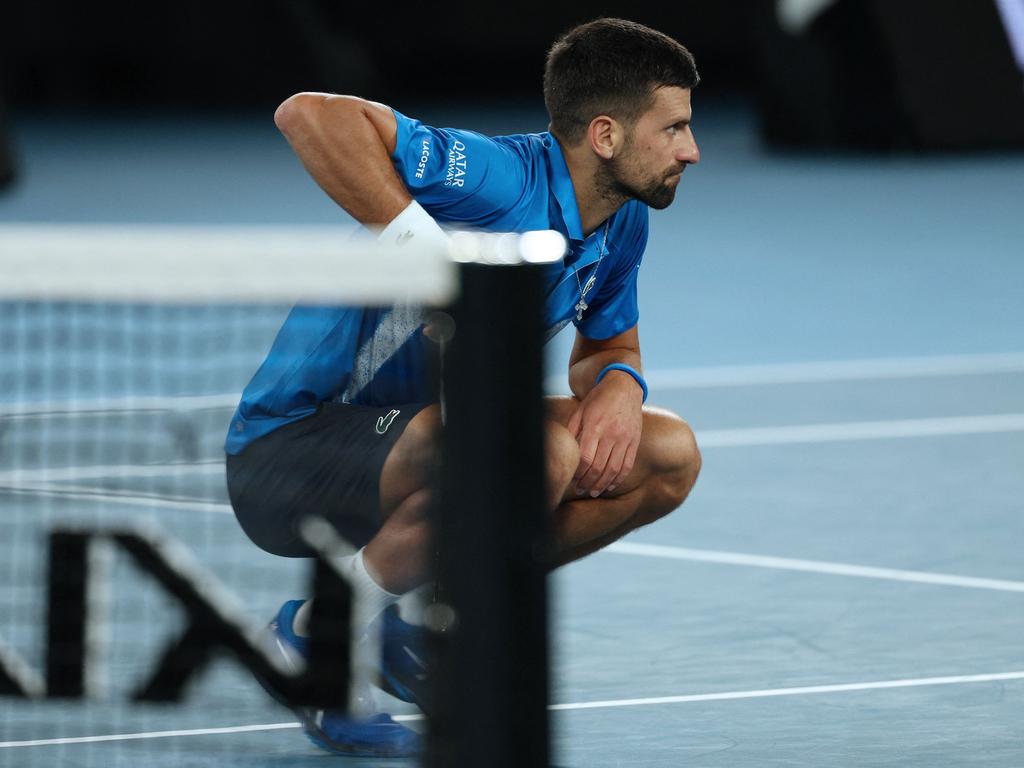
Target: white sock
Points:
(369, 599)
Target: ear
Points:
(606, 136)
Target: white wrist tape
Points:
(413, 226)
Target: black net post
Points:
(492, 675)
(6, 153)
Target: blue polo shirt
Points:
(375, 356)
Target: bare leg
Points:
(666, 469)
(398, 556)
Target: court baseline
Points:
(608, 704)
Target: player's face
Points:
(657, 150)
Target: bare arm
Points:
(589, 357)
(345, 144)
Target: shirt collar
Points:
(561, 187)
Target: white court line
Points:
(619, 547)
(150, 735)
(85, 493)
(861, 430)
(836, 370)
(824, 371)
(801, 691)
(608, 704)
(658, 378)
(120, 404)
(95, 472)
(37, 479)
(812, 566)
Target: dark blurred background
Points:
(877, 74)
(240, 54)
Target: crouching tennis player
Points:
(336, 420)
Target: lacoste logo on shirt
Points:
(404, 237)
(423, 160)
(385, 421)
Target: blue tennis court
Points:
(845, 586)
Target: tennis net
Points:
(123, 352)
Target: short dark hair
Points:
(610, 67)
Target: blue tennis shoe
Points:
(405, 660)
(373, 735)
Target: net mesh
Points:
(115, 398)
(115, 415)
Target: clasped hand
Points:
(607, 426)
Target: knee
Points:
(675, 468)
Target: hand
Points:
(607, 425)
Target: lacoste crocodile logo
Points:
(385, 421)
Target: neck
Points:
(596, 197)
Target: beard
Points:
(614, 184)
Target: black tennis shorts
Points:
(327, 464)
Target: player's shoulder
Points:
(418, 143)
(521, 142)
(529, 146)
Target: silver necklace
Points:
(584, 290)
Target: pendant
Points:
(580, 309)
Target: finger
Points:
(589, 481)
(613, 468)
(588, 451)
(628, 462)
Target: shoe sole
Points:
(316, 735)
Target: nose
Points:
(689, 152)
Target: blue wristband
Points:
(625, 369)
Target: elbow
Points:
(296, 111)
(304, 112)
